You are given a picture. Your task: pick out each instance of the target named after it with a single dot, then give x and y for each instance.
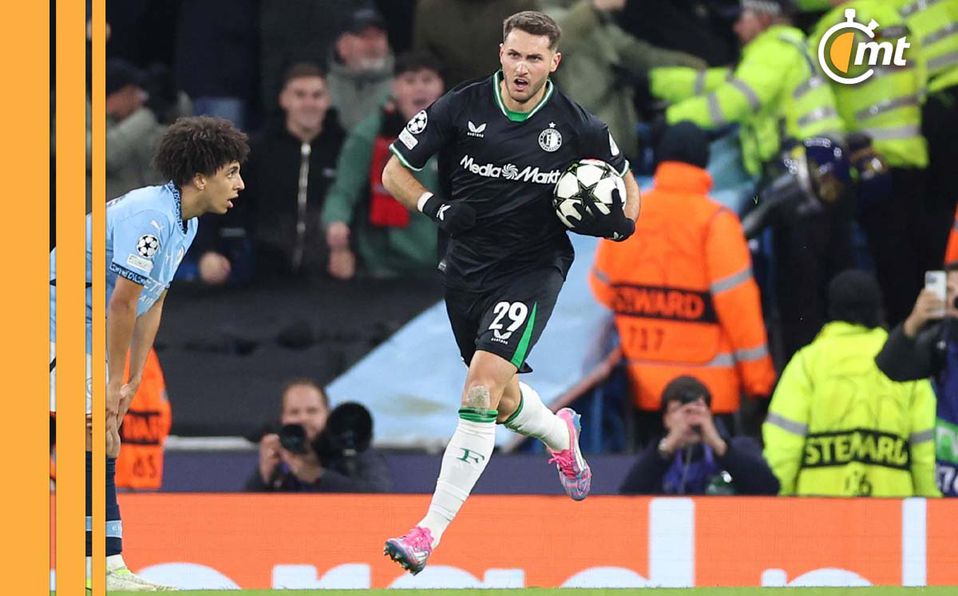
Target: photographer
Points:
(317, 450)
(926, 345)
(696, 456)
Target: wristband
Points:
(422, 200)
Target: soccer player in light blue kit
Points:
(148, 231)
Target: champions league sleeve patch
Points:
(147, 245)
(418, 123)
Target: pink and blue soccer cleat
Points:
(574, 473)
(412, 550)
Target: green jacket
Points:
(775, 89)
(837, 426)
(888, 104)
(596, 56)
(381, 251)
(934, 25)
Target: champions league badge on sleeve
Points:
(147, 245)
(418, 123)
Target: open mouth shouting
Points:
(520, 84)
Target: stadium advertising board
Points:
(336, 541)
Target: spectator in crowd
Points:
(601, 63)
(361, 67)
(779, 99)
(696, 455)
(926, 345)
(837, 426)
(934, 25)
(682, 290)
(144, 429)
(359, 213)
(132, 130)
(293, 465)
(291, 167)
(696, 27)
(216, 57)
(293, 31)
(887, 108)
(460, 33)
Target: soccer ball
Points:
(586, 189)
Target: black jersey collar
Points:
(518, 116)
(177, 204)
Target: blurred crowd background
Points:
(765, 182)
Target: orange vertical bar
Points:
(98, 277)
(71, 294)
(24, 305)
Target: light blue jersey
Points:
(146, 239)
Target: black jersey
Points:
(505, 165)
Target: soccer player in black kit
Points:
(503, 141)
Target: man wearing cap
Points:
(131, 131)
(837, 426)
(682, 290)
(696, 455)
(360, 68)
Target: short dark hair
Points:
(198, 145)
(301, 70)
(855, 297)
(533, 22)
(416, 60)
(685, 389)
(307, 382)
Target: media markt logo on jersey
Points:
(843, 57)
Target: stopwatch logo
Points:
(838, 50)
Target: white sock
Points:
(114, 562)
(465, 458)
(533, 419)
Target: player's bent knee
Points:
(478, 395)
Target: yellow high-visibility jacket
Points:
(837, 426)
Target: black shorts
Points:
(506, 320)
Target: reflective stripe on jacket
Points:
(934, 25)
(837, 426)
(887, 105)
(683, 294)
(775, 89)
(144, 430)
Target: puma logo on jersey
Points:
(476, 131)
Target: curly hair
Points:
(198, 145)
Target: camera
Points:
(348, 432)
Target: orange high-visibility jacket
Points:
(683, 295)
(951, 253)
(144, 430)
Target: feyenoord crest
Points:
(550, 139)
(418, 123)
(147, 245)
